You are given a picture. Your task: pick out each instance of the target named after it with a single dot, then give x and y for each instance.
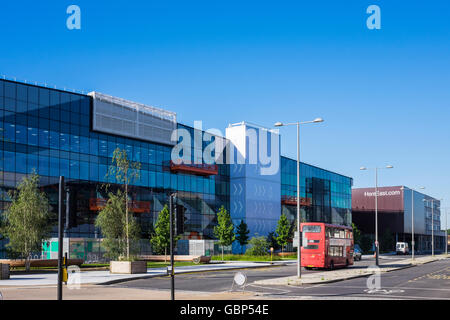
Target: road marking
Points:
(282, 291)
(383, 291)
(404, 288)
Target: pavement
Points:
(387, 264)
(105, 277)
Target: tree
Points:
(366, 243)
(259, 246)
(283, 231)
(124, 171)
(242, 234)
(160, 240)
(224, 230)
(356, 234)
(387, 241)
(272, 240)
(27, 219)
(116, 228)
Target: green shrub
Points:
(258, 246)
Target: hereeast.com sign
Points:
(382, 193)
(389, 199)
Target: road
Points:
(428, 281)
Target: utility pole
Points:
(432, 228)
(172, 273)
(60, 236)
(299, 220)
(377, 251)
(377, 245)
(446, 232)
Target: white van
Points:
(402, 248)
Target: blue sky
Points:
(384, 94)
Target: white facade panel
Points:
(129, 119)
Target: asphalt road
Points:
(428, 281)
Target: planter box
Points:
(4, 271)
(128, 267)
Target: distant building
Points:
(395, 213)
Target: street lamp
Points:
(280, 124)
(432, 222)
(377, 250)
(412, 220)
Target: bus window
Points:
(336, 251)
(309, 243)
(312, 229)
(335, 233)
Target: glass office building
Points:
(325, 195)
(60, 133)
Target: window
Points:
(336, 251)
(54, 98)
(33, 95)
(64, 167)
(43, 166)
(10, 104)
(10, 132)
(32, 163)
(54, 167)
(93, 171)
(44, 97)
(312, 229)
(43, 138)
(21, 162)
(9, 163)
(10, 90)
(21, 134)
(33, 136)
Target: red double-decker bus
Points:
(326, 245)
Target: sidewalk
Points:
(104, 277)
(344, 274)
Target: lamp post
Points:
(412, 220)
(279, 124)
(377, 247)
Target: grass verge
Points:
(243, 257)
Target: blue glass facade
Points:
(50, 131)
(328, 194)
